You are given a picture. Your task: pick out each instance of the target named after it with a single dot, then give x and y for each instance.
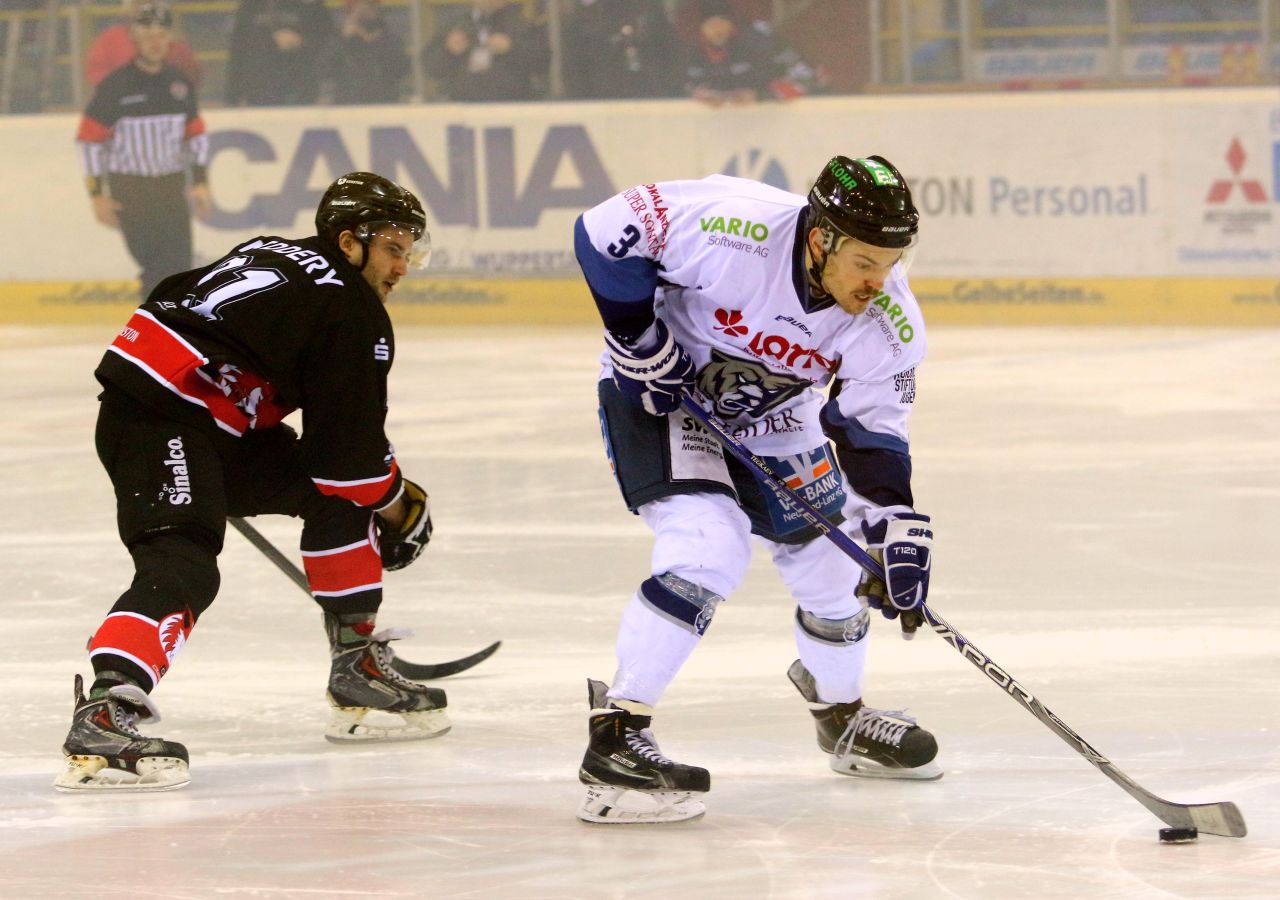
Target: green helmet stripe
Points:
(879, 172)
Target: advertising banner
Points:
(1013, 189)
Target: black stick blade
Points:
(428, 671)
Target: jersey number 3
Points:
(630, 237)
(231, 280)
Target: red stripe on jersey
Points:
(93, 131)
(149, 644)
(341, 570)
(364, 492)
(167, 357)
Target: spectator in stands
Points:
(735, 62)
(487, 52)
(370, 62)
(619, 48)
(277, 51)
(140, 139)
(113, 48)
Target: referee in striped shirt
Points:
(139, 138)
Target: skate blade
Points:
(91, 773)
(348, 725)
(622, 806)
(862, 768)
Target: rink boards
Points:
(1111, 207)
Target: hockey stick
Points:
(1212, 818)
(415, 671)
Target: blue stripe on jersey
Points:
(632, 279)
(836, 425)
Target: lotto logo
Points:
(730, 322)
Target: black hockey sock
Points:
(105, 680)
(347, 630)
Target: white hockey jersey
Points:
(720, 260)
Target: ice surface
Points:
(1106, 511)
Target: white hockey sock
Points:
(651, 649)
(836, 668)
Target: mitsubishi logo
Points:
(1220, 191)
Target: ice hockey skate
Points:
(628, 779)
(106, 752)
(867, 742)
(363, 683)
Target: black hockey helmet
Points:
(865, 199)
(362, 203)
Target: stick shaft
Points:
(269, 550)
(1211, 818)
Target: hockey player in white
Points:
(792, 316)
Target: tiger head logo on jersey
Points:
(741, 386)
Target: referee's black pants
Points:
(156, 223)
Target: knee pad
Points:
(172, 571)
(682, 603)
(704, 539)
(834, 631)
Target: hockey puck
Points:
(1178, 835)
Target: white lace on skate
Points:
(356, 724)
(643, 744)
(621, 806)
(137, 707)
(886, 727)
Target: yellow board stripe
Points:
(565, 301)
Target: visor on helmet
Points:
(418, 255)
(906, 254)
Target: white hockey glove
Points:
(652, 370)
(401, 546)
(903, 545)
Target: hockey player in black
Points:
(195, 388)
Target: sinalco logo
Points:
(1237, 200)
(755, 165)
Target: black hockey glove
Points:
(401, 546)
(903, 547)
(652, 370)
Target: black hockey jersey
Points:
(274, 326)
